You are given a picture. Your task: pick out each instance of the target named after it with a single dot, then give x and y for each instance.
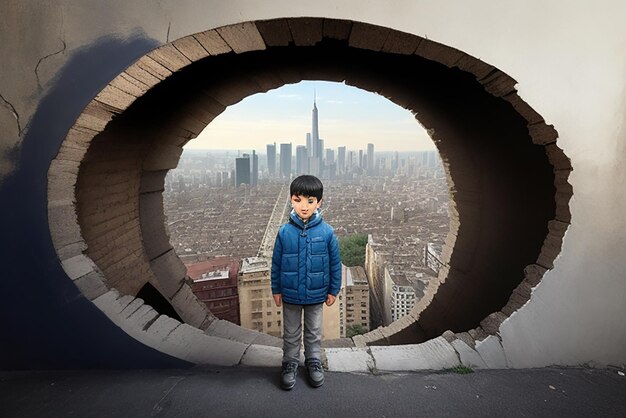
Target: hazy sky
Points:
(347, 116)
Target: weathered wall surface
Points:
(567, 58)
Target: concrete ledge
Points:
(356, 360)
(191, 310)
(265, 339)
(91, 285)
(112, 304)
(63, 222)
(468, 356)
(170, 272)
(162, 327)
(228, 330)
(142, 317)
(492, 353)
(435, 354)
(193, 345)
(263, 356)
(338, 343)
(78, 266)
(165, 334)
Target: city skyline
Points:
(352, 118)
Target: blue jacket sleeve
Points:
(276, 264)
(335, 266)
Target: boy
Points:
(306, 272)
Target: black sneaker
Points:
(316, 372)
(288, 375)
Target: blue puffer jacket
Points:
(306, 266)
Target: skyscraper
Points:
(315, 136)
(370, 160)
(255, 169)
(271, 159)
(341, 160)
(302, 160)
(316, 146)
(242, 170)
(330, 156)
(285, 160)
(330, 168)
(350, 161)
(309, 146)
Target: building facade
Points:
(271, 159)
(242, 170)
(402, 296)
(256, 304)
(215, 284)
(285, 160)
(357, 299)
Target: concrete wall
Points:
(566, 57)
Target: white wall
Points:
(568, 58)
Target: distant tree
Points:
(352, 249)
(356, 329)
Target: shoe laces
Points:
(290, 367)
(315, 366)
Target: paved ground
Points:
(223, 392)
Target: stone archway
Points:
(508, 177)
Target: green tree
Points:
(352, 249)
(356, 329)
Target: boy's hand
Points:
(330, 299)
(278, 299)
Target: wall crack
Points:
(16, 115)
(60, 51)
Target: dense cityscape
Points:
(223, 209)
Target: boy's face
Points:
(305, 206)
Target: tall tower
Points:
(302, 160)
(271, 159)
(254, 180)
(315, 136)
(242, 170)
(370, 160)
(285, 160)
(309, 146)
(341, 160)
(315, 165)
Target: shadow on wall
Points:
(46, 321)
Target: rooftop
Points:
(254, 264)
(213, 275)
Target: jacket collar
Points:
(315, 219)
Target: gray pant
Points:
(292, 331)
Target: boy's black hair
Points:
(308, 186)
